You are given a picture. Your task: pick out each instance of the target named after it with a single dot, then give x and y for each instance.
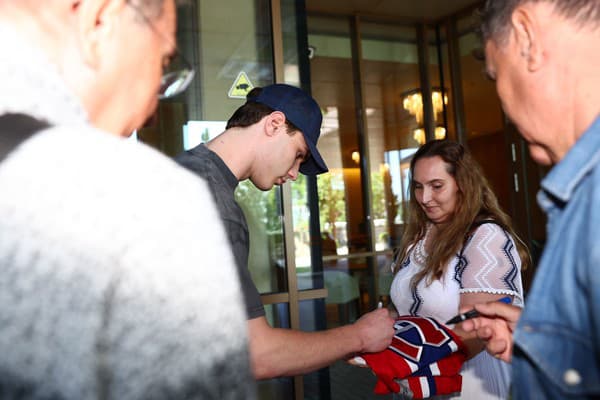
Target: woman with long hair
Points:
(458, 249)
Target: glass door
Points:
(233, 49)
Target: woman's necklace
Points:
(420, 254)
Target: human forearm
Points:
(284, 352)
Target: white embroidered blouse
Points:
(489, 263)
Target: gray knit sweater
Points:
(116, 278)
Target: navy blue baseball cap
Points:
(301, 110)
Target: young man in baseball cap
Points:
(269, 140)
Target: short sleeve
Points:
(490, 263)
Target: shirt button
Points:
(528, 328)
(572, 377)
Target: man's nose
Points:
(293, 172)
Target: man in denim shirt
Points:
(545, 56)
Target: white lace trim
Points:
(518, 301)
(419, 254)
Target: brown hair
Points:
(476, 202)
(495, 14)
(252, 112)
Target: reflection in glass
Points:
(266, 260)
(413, 103)
(439, 74)
(342, 213)
(484, 120)
(277, 388)
(483, 113)
(177, 77)
(392, 92)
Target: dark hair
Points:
(476, 202)
(252, 112)
(495, 14)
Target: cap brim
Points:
(315, 164)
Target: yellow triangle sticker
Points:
(241, 86)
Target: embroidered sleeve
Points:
(490, 263)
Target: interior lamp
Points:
(413, 103)
(419, 134)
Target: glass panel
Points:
(484, 120)
(341, 209)
(440, 83)
(350, 284)
(231, 53)
(390, 81)
(445, 60)
(277, 388)
(220, 45)
(483, 114)
(308, 270)
(266, 260)
(291, 49)
(312, 318)
(332, 87)
(232, 43)
(309, 273)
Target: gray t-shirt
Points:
(223, 183)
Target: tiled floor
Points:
(346, 382)
(349, 382)
(353, 383)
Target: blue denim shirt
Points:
(557, 341)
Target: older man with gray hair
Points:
(106, 291)
(544, 56)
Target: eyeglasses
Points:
(177, 71)
(177, 76)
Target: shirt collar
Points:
(565, 176)
(32, 85)
(228, 176)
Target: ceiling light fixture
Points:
(413, 103)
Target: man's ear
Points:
(526, 29)
(96, 21)
(274, 122)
